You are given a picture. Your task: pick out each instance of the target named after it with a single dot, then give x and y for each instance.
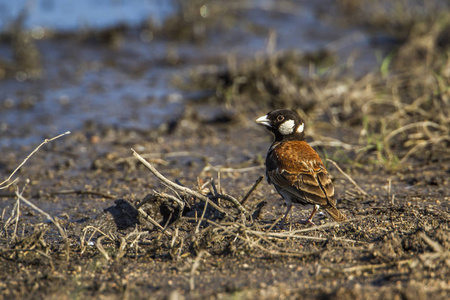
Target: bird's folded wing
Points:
(310, 182)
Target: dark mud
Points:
(388, 130)
(395, 244)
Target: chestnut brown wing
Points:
(309, 181)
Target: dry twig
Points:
(151, 220)
(201, 217)
(25, 160)
(50, 218)
(231, 170)
(252, 189)
(195, 266)
(178, 187)
(347, 176)
(84, 192)
(377, 266)
(100, 247)
(434, 245)
(230, 198)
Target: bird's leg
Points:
(309, 220)
(288, 208)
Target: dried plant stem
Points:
(100, 247)
(434, 245)
(174, 238)
(231, 170)
(17, 218)
(178, 187)
(195, 266)
(180, 203)
(9, 184)
(84, 192)
(11, 218)
(424, 124)
(377, 266)
(123, 244)
(83, 239)
(235, 226)
(334, 224)
(173, 198)
(422, 145)
(306, 237)
(348, 177)
(28, 157)
(151, 220)
(230, 198)
(51, 219)
(258, 181)
(201, 218)
(329, 142)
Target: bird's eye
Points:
(280, 118)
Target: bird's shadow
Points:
(124, 213)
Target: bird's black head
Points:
(285, 124)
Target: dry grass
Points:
(400, 111)
(396, 17)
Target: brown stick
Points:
(25, 160)
(347, 176)
(50, 218)
(227, 197)
(377, 266)
(84, 192)
(151, 220)
(195, 266)
(182, 189)
(434, 245)
(258, 181)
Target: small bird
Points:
(294, 168)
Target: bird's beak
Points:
(264, 120)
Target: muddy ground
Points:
(124, 234)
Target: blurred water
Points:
(129, 86)
(72, 15)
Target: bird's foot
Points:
(281, 226)
(307, 221)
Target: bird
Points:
(295, 168)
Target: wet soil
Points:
(395, 245)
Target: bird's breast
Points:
(292, 156)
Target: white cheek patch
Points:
(287, 127)
(301, 128)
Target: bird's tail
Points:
(335, 214)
